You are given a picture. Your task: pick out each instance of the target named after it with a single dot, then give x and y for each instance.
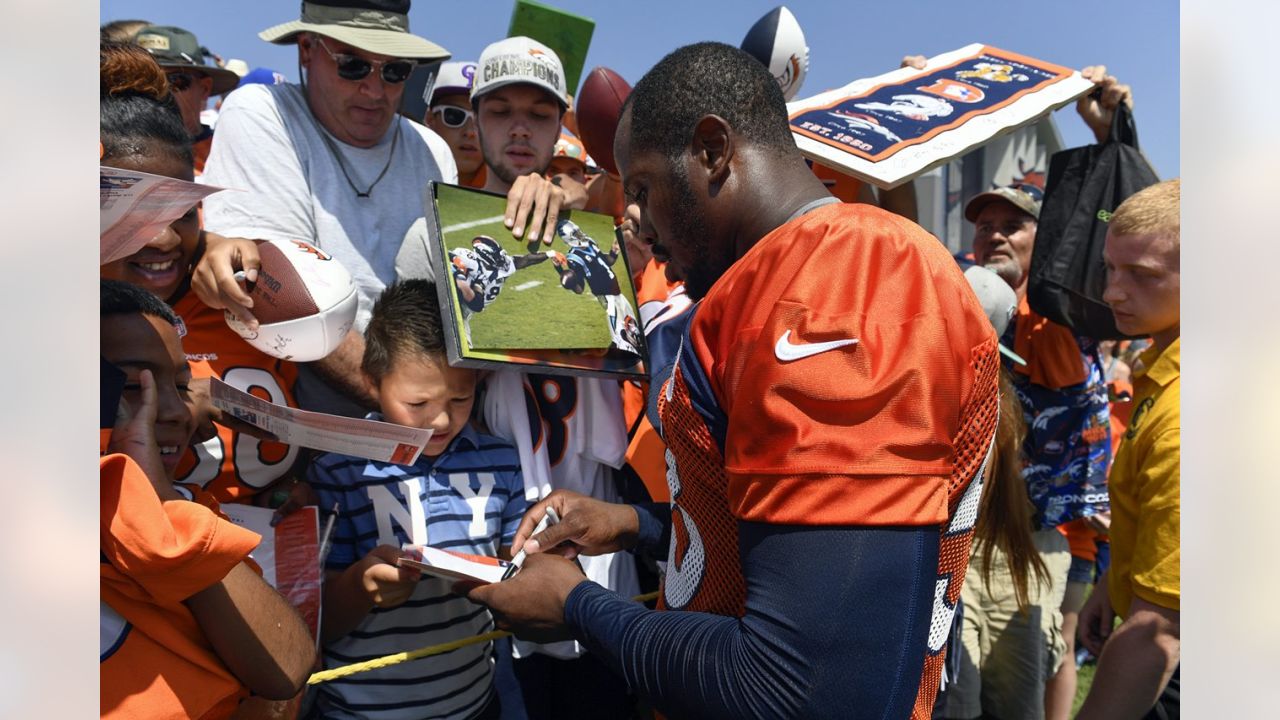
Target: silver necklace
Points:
(337, 155)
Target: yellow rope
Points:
(397, 658)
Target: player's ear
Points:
(713, 147)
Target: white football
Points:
(777, 41)
(305, 302)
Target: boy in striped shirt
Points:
(465, 493)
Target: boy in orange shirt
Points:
(172, 568)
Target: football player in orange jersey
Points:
(828, 416)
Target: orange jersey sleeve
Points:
(155, 661)
(841, 389)
(233, 466)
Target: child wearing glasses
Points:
(449, 113)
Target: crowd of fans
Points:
(865, 476)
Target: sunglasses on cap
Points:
(354, 67)
(453, 116)
(180, 81)
(1036, 193)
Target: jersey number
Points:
(684, 570)
(551, 401)
(251, 467)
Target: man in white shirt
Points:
(328, 161)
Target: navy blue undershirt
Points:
(836, 625)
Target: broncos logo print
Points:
(992, 72)
(312, 249)
(1042, 420)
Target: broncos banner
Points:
(888, 129)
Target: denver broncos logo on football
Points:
(308, 248)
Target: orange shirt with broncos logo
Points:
(233, 466)
(806, 396)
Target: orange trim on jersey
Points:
(826, 499)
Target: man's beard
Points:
(690, 227)
(505, 173)
(1008, 270)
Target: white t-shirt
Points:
(580, 437)
(286, 184)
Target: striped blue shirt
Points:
(469, 499)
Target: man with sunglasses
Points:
(328, 161)
(191, 80)
(449, 114)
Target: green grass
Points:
(1084, 681)
(533, 317)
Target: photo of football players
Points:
(509, 298)
(584, 266)
(480, 272)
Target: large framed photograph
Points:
(888, 129)
(567, 308)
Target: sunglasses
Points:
(180, 81)
(354, 67)
(1036, 193)
(453, 116)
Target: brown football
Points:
(598, 108)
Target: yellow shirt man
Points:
(1145, 506)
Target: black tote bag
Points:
(1083, 189)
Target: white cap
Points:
(237, 66)
(454, 77)
(520, 60)
(998, 300)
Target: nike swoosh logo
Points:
(788, 351)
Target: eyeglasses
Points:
(452, 115)
(180, 81)
(356, 68)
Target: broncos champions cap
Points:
(520, 60)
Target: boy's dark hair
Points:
(406, 321)
(707, 78)
(117, 297)
(137, 114)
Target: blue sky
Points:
(1136, 39)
